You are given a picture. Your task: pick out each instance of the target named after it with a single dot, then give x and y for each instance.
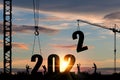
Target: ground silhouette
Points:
(59, 76)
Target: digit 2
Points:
(71, 63)
(38, 63)
(80, 41)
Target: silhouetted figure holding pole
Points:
(78, 68)
(44, 67)
(95, 68)
(27, 68)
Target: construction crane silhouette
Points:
(7, 40)
(114, 29)
(7, 34)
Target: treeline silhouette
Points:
(59, 76)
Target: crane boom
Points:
(101, 26)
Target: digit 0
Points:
(56, 63)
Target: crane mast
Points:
(7, 36)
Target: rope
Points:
(36, 12)
(34, 43)
(39, 44)
(78, 28)
(36, 23)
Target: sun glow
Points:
(63, 65)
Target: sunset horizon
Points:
(57, 22)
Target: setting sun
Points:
(63, 65)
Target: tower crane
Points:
(115, 30)
(7, 40)
(7, 32)
(7, 36)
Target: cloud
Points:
(88, 10)
(1, 6)
(51, 18)
(93, 11)
(115, 15)
(27, 28)
(71, 6)
(21, 46)
(112, 18)
(17, 45)
(72, 47)
(60, 26)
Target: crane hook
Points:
(36, 31)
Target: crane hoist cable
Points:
(78, 28)
(36, 24)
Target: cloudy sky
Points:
(57, 22)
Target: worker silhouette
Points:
(44, 67)
(95, 68)
(27, 69)
(78, 68)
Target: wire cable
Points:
(36, 24)
(33, 45)
(78, 27)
